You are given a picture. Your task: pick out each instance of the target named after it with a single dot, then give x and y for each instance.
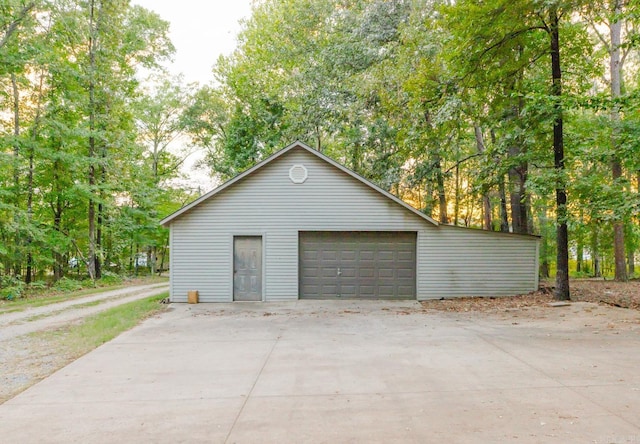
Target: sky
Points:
(201, 31)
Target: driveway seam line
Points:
(253, 386)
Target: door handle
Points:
(339, 272)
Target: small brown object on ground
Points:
(192, 296)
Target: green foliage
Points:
(11, 288)
(446, 104)
(109, 278)
(73, 138)
(38, 285)
(67, 285)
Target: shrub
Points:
(110, 278)
(66, 284)
(38, 285)
(11, 288)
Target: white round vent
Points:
(298, 173)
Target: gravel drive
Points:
(25, 359)
(54, 315)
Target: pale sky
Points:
(201, 31)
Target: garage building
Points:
(298, 225)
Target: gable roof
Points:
(167, 220)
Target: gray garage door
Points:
(357, 265)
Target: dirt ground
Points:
(616, 294)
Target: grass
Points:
(54, 313)
(38, 355)
(79, 339)
(49, 296)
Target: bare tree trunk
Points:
(164, 253)
(562, 237)
(91, 216)
(30, 191)
(595, 249)
(632, 254)
(356, 158)
(631, 262)
(486, 201)
(544, 243)
(456, 212)
(17, 260)
(29, 276)
(579, 255)
(517, 180)
(504, 215)
(442, 197)
(615, 68)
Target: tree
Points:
(68, 79)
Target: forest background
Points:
(505, 115)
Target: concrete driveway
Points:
(346, 372)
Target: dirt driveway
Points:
(26, 358)
(347, 372)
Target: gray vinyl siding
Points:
(267, 203)
(465, 262)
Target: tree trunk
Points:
(615, 69)
(456, 211)
(91, 214)
(579, 255)
(442, 197)
(632, 251)
(544, 243)
(504, 215)
(518, 197)
(164, 253)
(631, 261)
(562, 237)
(29, 276)
(356, 157)
(486, 201)
(58, 266)
(100, 219)
(30, 191)
(17, 254)
(595, 249)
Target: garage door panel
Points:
(329, 255)
(385, 256)
(347, 273)
(310, 272)
(367, 255)
(367, 272)
(357, 265)
(329, 272)
(348, 256)
(348, 290)
(386, 290)
(328, 289)
(405, 256)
